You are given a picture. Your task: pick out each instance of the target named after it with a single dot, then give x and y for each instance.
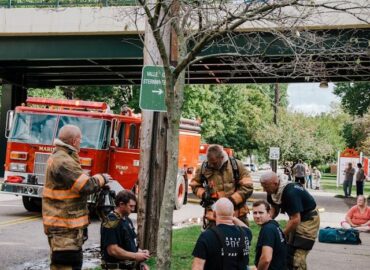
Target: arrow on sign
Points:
(159, 92)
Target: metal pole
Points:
(276, 102)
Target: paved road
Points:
(23, 244)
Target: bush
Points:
(325, 168)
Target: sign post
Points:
(274, 157)
(152, 90)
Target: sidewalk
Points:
(332, 256)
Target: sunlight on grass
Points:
(184, 241)
(329, 184)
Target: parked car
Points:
(251, 167)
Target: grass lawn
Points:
(329, 184)
(184, 242)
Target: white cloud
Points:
(309, 98)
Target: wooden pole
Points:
(152, 158)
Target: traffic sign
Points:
(152, 90)
(274, 153)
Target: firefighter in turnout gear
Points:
(221, 176)
(304, 221)
(118, 245)
(64, 204)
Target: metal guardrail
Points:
(64, 3)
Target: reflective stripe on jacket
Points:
(66, 189)
(222, 183)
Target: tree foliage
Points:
(355, 97)
(46, 93)
(197, 26)
(230, 114)
(114, 96)
(357, 133)
(315, 139)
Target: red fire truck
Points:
(110, 144)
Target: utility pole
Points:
(153, 161)
(276, 102)
(274, 162)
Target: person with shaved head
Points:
(226, 245)
(64, 203)
(304, 221)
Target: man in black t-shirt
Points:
(225, 246)
(271, 249)
(304, 221)
(118, 238)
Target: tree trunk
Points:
(153, 158)
(165, 223)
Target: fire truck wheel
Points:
(31, 204)
(180, 192)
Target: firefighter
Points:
(64, 204)
(118, 243)
(220, 176)
(304, 221)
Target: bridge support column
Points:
(11, 96)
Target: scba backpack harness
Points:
(234, 165)
(208, 201)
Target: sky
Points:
(310, 99)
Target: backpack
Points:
(340, 236)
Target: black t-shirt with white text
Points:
(271, 235)
(209, 248)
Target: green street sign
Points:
(152, 90)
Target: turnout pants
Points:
(301, 241)
(66, 248)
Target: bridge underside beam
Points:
(335, 55)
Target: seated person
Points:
(118, 237)
(358, 217)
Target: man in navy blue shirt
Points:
(271, 249)
(225, 246)
(118, 238)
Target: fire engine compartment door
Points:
(125, 156)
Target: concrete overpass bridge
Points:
(47, 47)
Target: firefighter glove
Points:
(107, 178)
